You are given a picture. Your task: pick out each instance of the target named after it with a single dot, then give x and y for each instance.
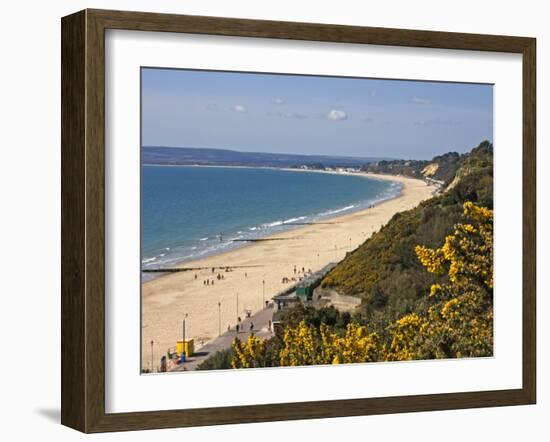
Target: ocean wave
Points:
(161, 260)
(283, 222)
(273, 224)
(340, 210)
(293, 220)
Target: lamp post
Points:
(184, 318)
(219, 318)
(152, 357)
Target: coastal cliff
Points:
(442, 168)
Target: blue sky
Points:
(313, 114)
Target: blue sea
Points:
(185, 210)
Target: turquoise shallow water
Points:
(184, 210)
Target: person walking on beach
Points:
(237, 328)
(251, 326)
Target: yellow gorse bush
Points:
(467, 254)
(299, 346)
(404, 331)
(357, 345)
(304, 345)
(460, 322)
(248, 354)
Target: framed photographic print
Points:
(267, 220)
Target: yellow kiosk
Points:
(187, 347)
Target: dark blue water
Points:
(185, 209)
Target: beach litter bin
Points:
(187, 347)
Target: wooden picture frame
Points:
(83, 220)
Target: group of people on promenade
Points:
(240, 327)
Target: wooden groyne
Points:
(261, 239)
(307, 224)
(191, 269)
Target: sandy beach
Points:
(167, 299)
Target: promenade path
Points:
(261, 329)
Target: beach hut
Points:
(305, 288)
(283, 301)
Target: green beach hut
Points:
(305, 288)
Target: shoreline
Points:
(179, 263)
(380, 176)
(166, 299)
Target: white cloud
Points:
(279, 101)
(239, 108)
(418, 100)
(337, 115)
